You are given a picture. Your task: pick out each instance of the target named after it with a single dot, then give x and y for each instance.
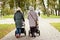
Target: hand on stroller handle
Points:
(23, 23)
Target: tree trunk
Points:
(59, 9)
(56, 12)
(44, 7)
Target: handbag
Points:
(34, 20)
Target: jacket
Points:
(31, 20)
(18, 18)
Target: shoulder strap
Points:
(33, 17)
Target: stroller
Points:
(37, 31)
(22, 31)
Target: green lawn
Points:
(56, 25)
(51, 16)
(8, 16)
(5, 29)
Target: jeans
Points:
(18, 31)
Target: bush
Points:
(7, 11)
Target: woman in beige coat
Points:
(33, 18)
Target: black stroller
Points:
(37, 31)
(22, 30)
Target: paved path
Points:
(7, 21)
(50, 20)
(47, 31)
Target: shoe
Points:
(17, 36)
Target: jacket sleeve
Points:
(28, 15)
(36, 16)
(14, 17)
(23, 17)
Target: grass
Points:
(56, 25)
(5, 29)
(8, 16)
(51, 16)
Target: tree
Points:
(34, 4)
(42, 7)
(3, 6)
(51, 5)
(59, 8)
(11, 3)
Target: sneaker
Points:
(17, 35)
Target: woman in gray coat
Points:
(18, 18)
(33, 18)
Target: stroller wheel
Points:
(39, 33)
(29, 32)
(25, 33)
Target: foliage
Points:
(24, 4)
(11, 3)
(7, 11)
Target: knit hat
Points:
(18, 9)
(31, 8)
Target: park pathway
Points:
(47, 31)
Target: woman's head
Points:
(31, 8)
(18, 9)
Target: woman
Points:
(18, 18)
(32, 17)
